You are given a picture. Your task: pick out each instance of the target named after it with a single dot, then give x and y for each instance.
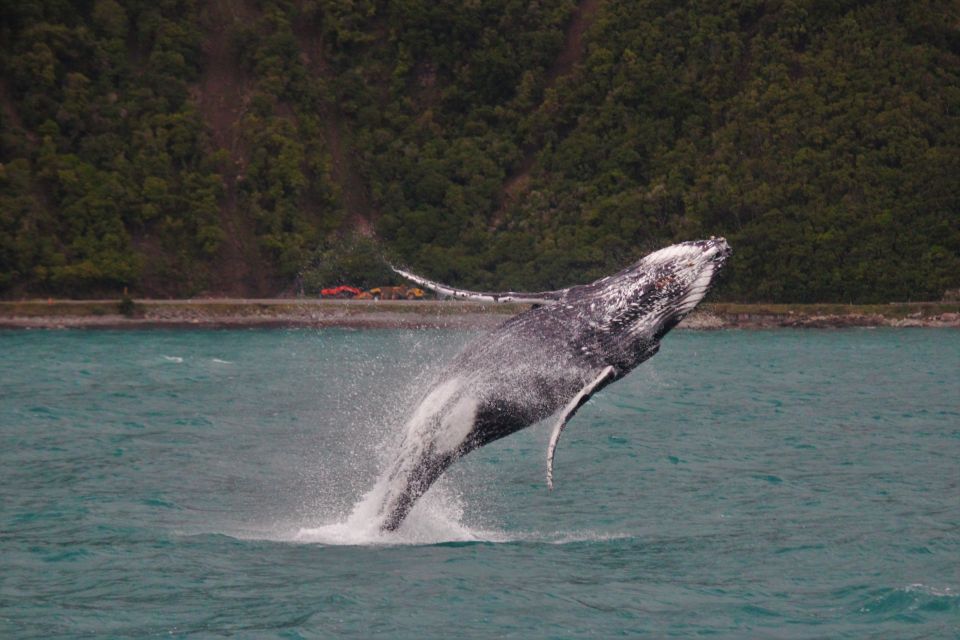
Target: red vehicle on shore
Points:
(343, 291)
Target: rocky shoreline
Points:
(708, 320)
(226, 313)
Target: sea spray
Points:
(437, 518)
(340, 506)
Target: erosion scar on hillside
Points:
(571, 54)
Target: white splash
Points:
(177, 359)
(436, 518)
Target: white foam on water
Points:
(419, 529)
(945, 592)
(173, 358)
(219, 361)
(429, 531)
(437, 517)
(571, 537)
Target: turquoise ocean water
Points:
(773, 484)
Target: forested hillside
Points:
(182, 147)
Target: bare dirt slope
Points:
(222, 95)
(354, 193)
(564, 64)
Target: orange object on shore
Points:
(343, 291)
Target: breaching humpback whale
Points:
(549, 359)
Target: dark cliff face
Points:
(178, 148)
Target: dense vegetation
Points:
(178, 147)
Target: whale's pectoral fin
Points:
(578, 401)
(536, 297)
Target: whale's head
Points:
(636, 307)
(672, 281)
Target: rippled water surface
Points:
(781, 484)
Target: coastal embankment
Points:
(226, 313)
